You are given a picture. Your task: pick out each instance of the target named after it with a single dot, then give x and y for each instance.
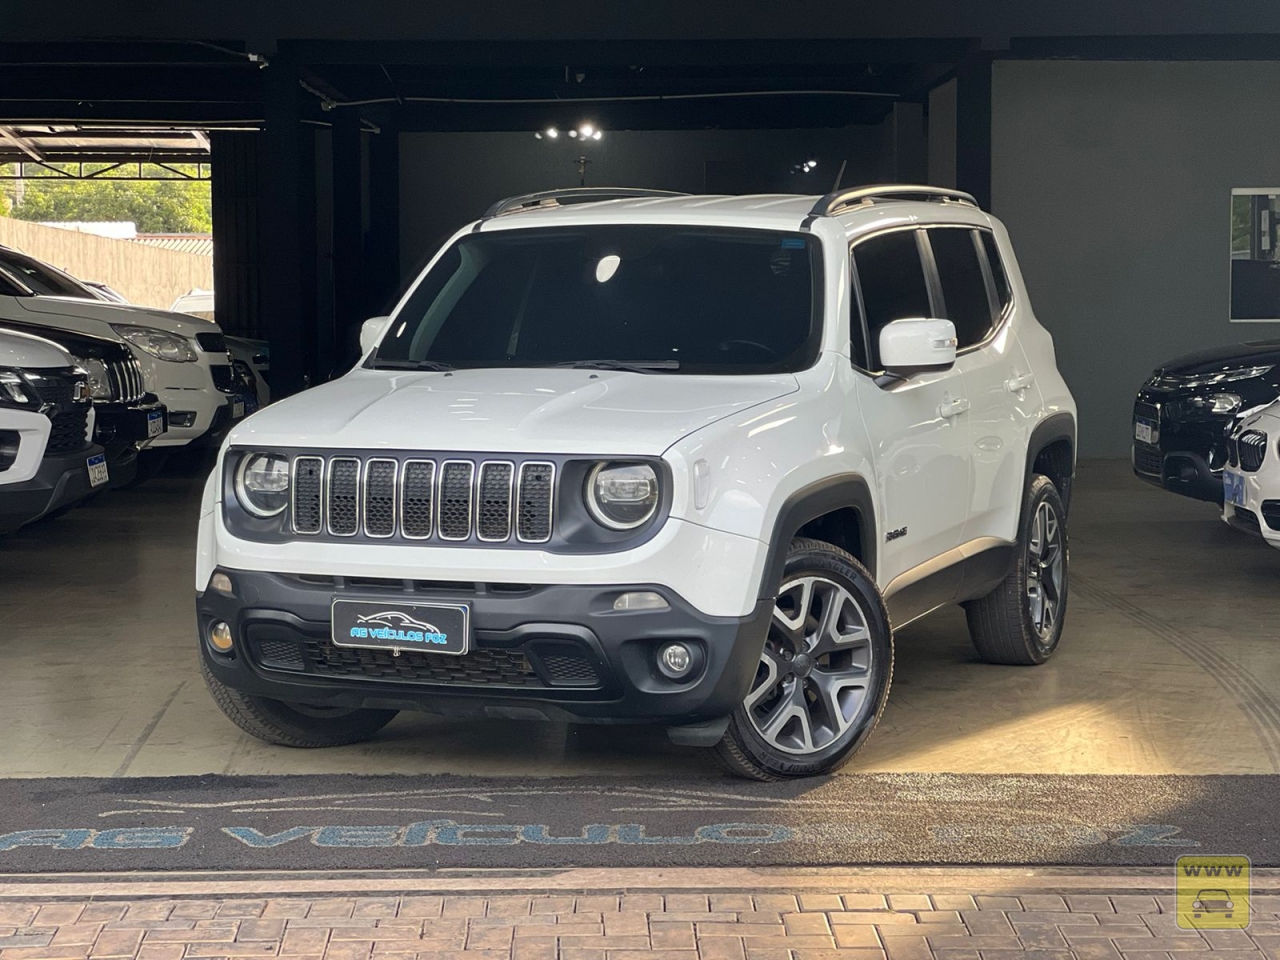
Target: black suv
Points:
(1183, 413)
(126, 416)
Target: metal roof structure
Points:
(102, 151)
(198, 243)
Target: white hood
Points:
(533, 411)
(24, 350)
(69, 307)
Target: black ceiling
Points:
(759, 76)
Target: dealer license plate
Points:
(1146, 431)
(237, 408)
(155, 424)
(1233, 487)
(389, 625)
(97, 470)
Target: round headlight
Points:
(622, 496)
(262, 484)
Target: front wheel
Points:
(1020, 621)
(291, 724)
(823, 675)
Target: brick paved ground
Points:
(716, 926)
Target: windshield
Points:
(44, 279)
(655, 299)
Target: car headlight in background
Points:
(159, 343)
(622, 496)
(262, 484)
(1217, 403)
(1174, 381)
(14, 389)
(99, 382)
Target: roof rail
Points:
(832, 203)
(573, 195)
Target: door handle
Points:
(1018, 384)
(952, 408)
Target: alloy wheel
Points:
(1046, 570)
(815, 670)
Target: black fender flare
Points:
(849, 490)
(1060, 426)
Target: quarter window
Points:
(1003, 294)
(892, 281)
(964, 288)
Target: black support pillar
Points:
(907, 160)
(236, 232)
(348, 233)
(382, 247)
(287, 302)
(973, 129)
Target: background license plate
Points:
(155, 424)
(388, 625)
(237, 408)
(1233, 487)
(97, 470)
(1144, 431)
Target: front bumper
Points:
(190, 393)
(59, 481)
(1187, 455)
(538, 651)
(122, 430)
(1260, 514)
(1186, 472)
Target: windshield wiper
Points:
(434, 365)
(631, 366)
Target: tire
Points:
(806, 714)
(294, 725)
(1019, 622)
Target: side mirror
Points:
(916, 344)
(371, 332)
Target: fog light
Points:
(675, 660)
(640, 600)
(220, 637)
(185, 418)
(221, 583)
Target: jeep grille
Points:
(420, 499)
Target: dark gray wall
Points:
(448, 179)
(1115, 180)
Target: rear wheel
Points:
(823, 675)
(1020, 621)
(292, 724)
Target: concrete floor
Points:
(1168, 664)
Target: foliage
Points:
(157, 206)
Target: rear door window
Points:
(963, 284)
(1004, 294)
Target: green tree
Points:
(156, 206)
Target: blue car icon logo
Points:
(395, 620)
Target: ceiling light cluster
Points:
(806, 166)
(584, 131)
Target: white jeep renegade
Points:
(621, 455)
